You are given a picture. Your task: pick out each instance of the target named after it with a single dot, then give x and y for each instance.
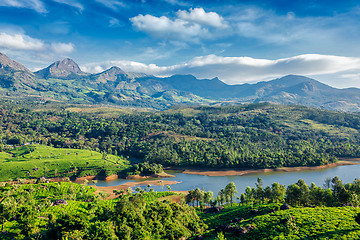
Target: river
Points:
(346, 173)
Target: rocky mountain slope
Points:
(66, 68)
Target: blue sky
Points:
(237, 41)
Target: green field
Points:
(296, 223)
(34, 161)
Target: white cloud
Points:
(72, 3)
(177, 2)
(238, 70)
(319, 33)
(20, 42)
(113, 4)
(188, 26)
(113, 22)
(62, 48)
(128, 66)
(198, 15)
(164, 27)
(31, 51)
(36, 5)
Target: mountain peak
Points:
(112, 74)
(293, 80)
(61, 69)
(6, 62)
(115, 70)
(65, 66)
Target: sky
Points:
(237, 41)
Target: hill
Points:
(64, 81)
(262, 222)
(35, 161)
(257, 135)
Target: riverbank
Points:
(125, 186)
(237, 172)
(130, 177)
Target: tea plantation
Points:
(268, 222)
(34, 161)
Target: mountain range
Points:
(65, 81)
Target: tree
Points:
(221, 197)
(277, 193)
(249, 195)
(198, 195)
(230, 191)
(317, 195)
(208, 196)
(304, 189)
(190, 198)
(102, 230)
(259, 192)
(293, 194)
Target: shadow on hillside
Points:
(338, 234)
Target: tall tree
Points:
(230, 191)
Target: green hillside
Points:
(258, 135)
(296, 223)
(34, 161)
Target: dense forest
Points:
(257, 135)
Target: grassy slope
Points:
(20, 162)
(296, 223)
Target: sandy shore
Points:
(234, 172)
(125, 186)
(158, 175)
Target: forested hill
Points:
(248, 136)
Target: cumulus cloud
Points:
(20, 42)
(198, 15)
(62, 48)
(238, 70)
(26, 49)
(166, 28)
(189, 25)
(36, 5)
